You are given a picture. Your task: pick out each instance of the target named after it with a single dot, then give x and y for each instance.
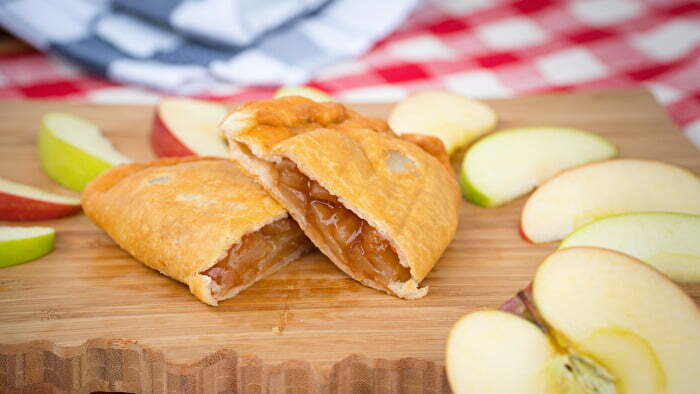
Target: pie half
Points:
(380, 207)
(200, 221)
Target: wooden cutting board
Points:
(89, 288)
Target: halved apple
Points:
(455, 119)
(596, 190)
(188, 127)
(22, 244)
(23, 202)
(73, 151)
(604, 323)
(670, 242)
(304, 91)
(510, 163)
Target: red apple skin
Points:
(523, 305)
(523, 235)
(514, 305)
(18, 208)
(164, 143)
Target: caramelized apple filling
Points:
(360, 247)
(256, 253)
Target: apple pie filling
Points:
(359, 246)
(256, 253)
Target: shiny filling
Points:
(359, 246)
(254, 254)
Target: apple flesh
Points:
(580, 195)
(73, 151)
(21, 244)
(188, 127)
(455, 119)
(670, 242)
(304, 91)
(510, 163)
(619, 296)
(607, 323)
(22, 202)
(496, 352)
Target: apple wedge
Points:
(605, 323)
(73, 151)
(670, 242)
(188, 127)
(23, 202)
(22, 244)
(596, 190)
(510, 163)
(496, 352)
(455, 119)
(304, 91)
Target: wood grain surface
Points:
(89, 288)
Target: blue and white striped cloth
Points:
(186, 46)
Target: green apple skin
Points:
(66, 164)
(18, 251)
(304, 91)
(473, 195)
(680, 265)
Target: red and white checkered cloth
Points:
(479, 48)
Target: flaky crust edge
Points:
(199, 285)
(249, 156)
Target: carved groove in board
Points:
(123, 365)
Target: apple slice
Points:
(188, 127)
(73, 151)
(304, 91)
(595, 190)
(23, 202)
(670, 242)
(455, 119)
(22, 244)
(510, 163)
(607, 323)
(616, 293)
(496, 352)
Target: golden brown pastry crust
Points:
(431, 145)
(180, 216)
(415, 209)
